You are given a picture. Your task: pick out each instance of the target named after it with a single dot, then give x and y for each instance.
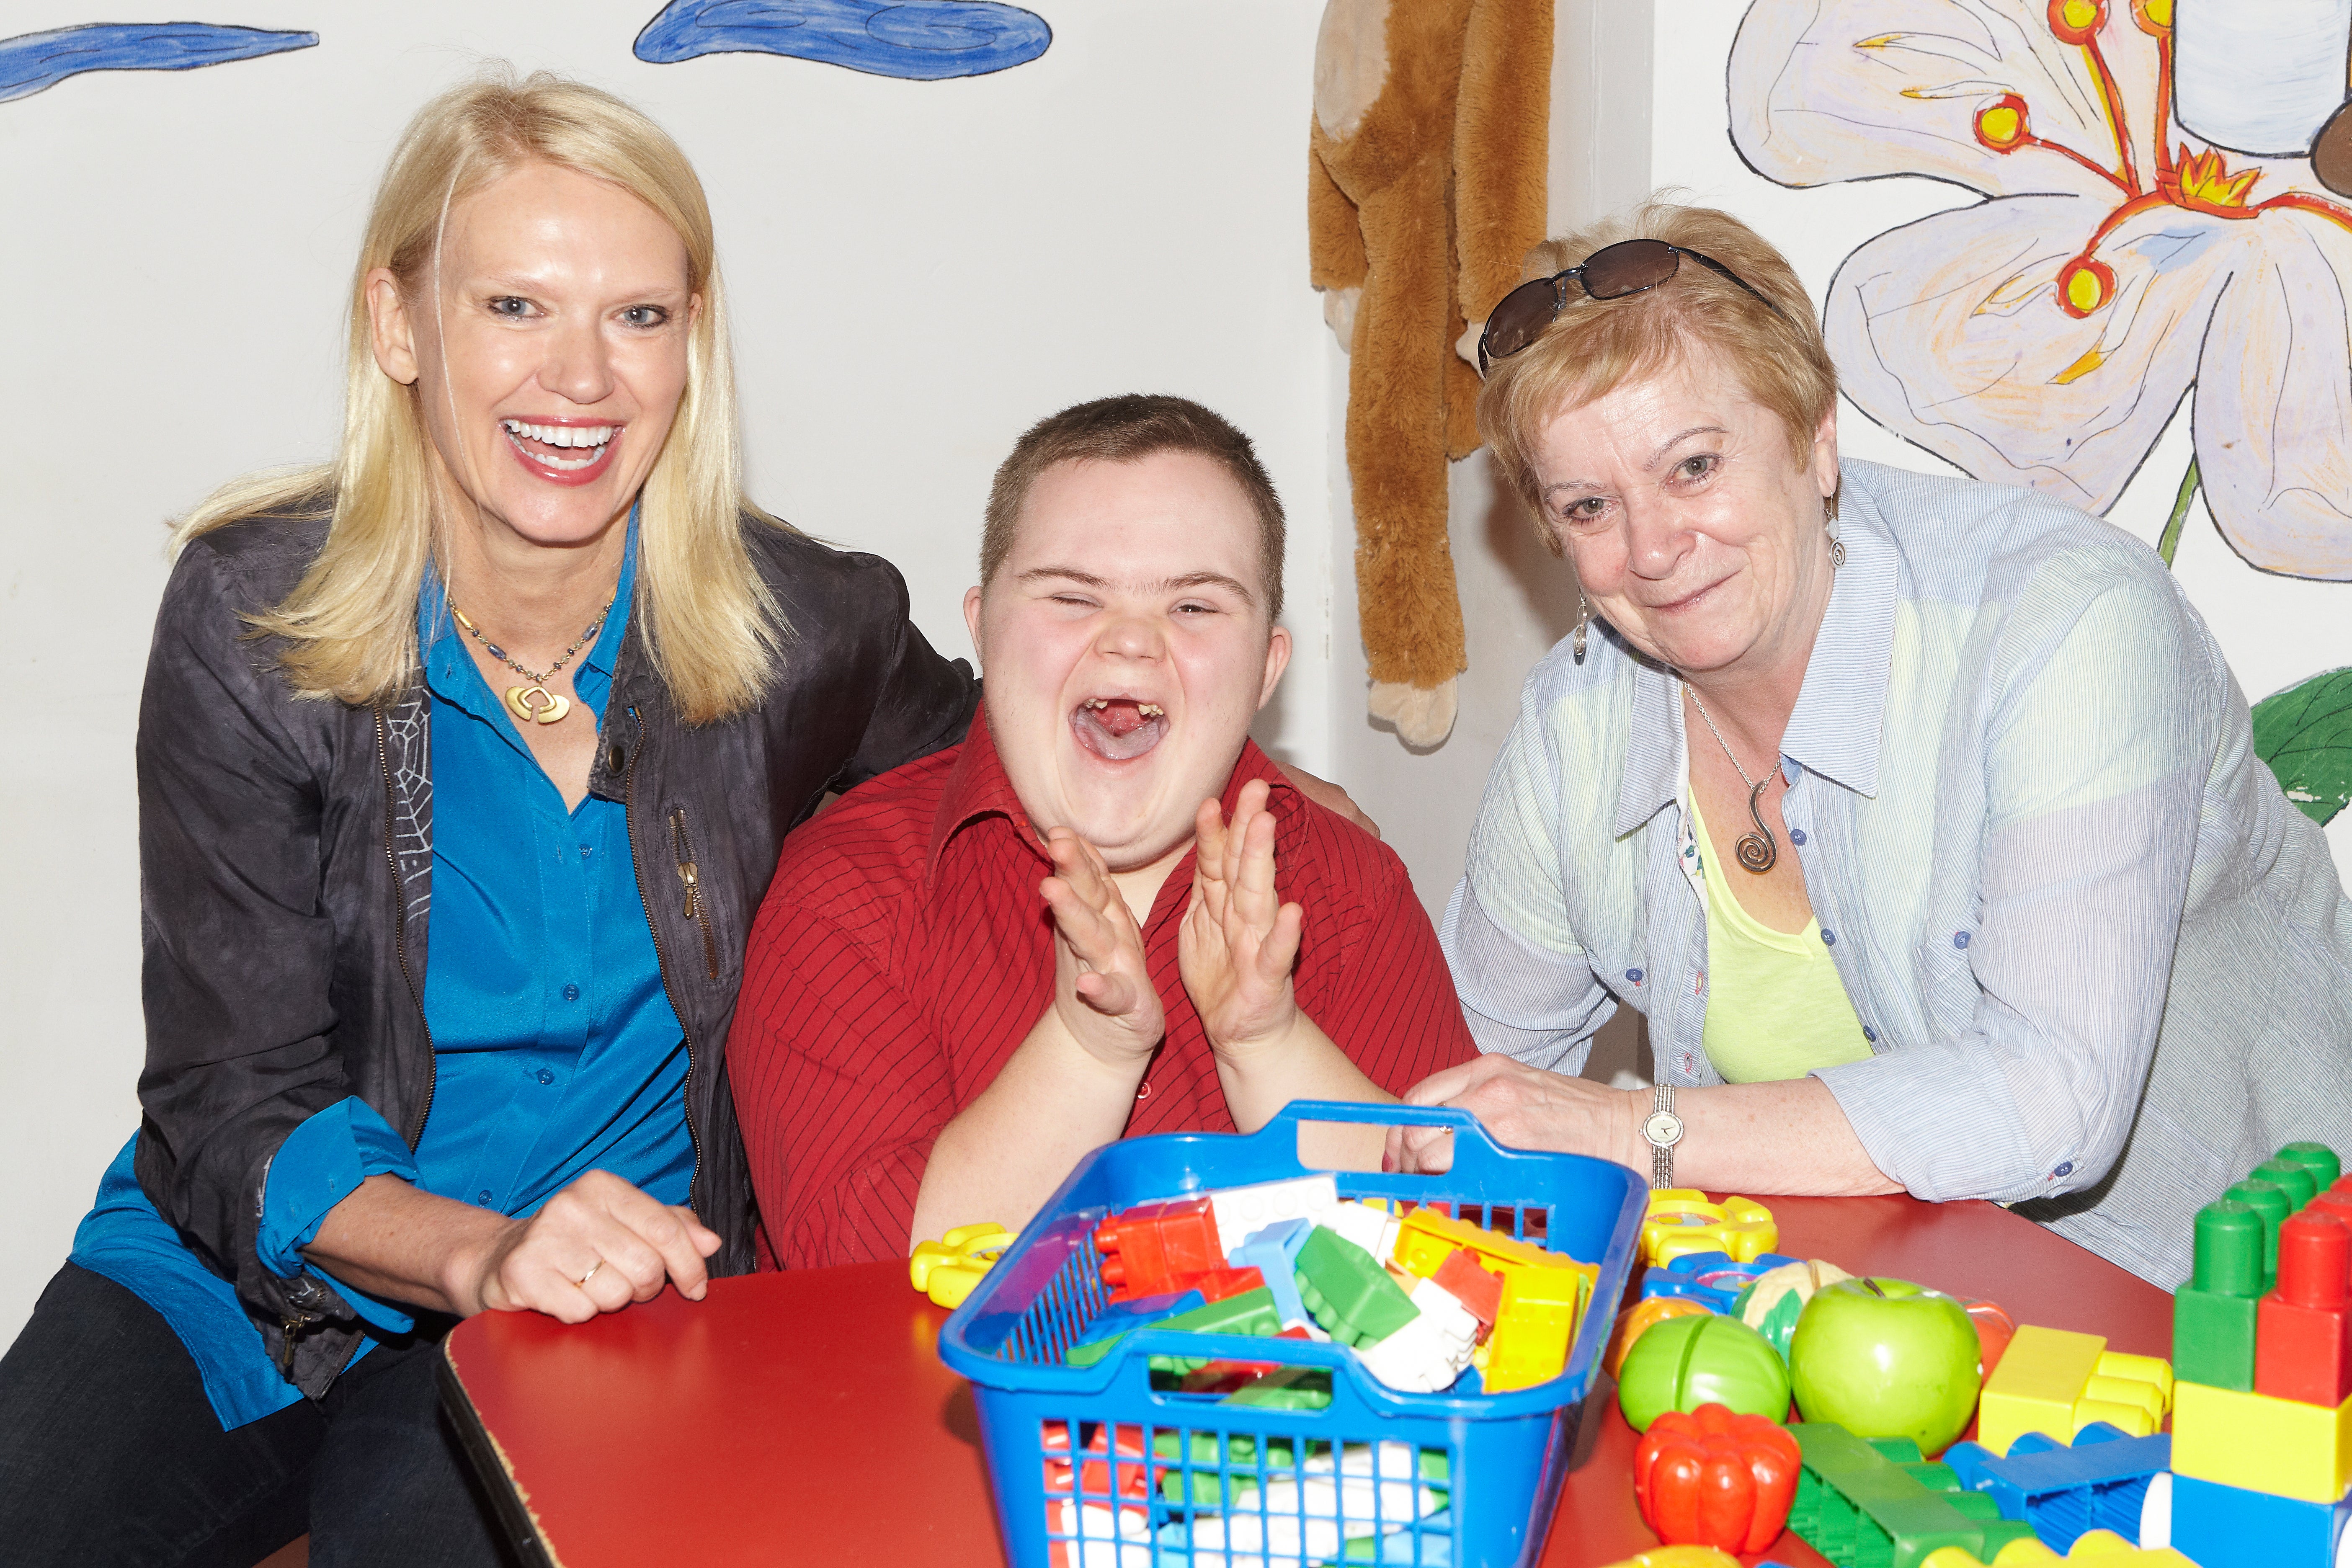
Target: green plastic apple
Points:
(1886, 1358)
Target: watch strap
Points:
(1662, 1155)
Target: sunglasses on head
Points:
(1614, 271)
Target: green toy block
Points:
(1877, 1505)
(2293, 1176)
(1250, 1313)
(2270, 1200)
(2213, 1314)
(1348, 1292)
(1292, 1388)
(2316, 1158)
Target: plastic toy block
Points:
(1273, 1251)
(1287, 1388)
(1098, 1477)
(1349, 1294)
(2296, 1180)
(1118, 1319)
(2226, 1527)
(2269, 1200)
(1426, 1237)
(2099, 1549)
(2282, 1446)
(1217, 1284)
(1876, 1504)
(2303, 1349)
(1145, 1248)
(1371, 1225)
(947, 1270)
(1242, 1212)
(2317, 1158)
(2036, 1385)
(1682, 1220)
(1534, 1327)
(1480, 1290)
(2100, 1483)
(1428, 1353)
(1713, 1279)
(2214, 1314)
(2056, 1383)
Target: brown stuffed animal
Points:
(1426, 186)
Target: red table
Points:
(806, 1416)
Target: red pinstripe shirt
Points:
(903, 954)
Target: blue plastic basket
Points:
(1168, 1479)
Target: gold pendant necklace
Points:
(534, 703)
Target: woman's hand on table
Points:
(595, 1247)
(1523, 1106)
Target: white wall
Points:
(919, 270)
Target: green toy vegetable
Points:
(1685, 1362)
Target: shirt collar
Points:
(978, 790)
(1837, 724)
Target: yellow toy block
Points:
(1679, 1557)
(1681, 1220)
(2103, 1548)
(947, 1269)
(1425, 1237)
(2057, 1383)
(2282, 1446)
(1533, 1327)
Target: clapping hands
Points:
(1239, 941)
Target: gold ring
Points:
(592, 1272)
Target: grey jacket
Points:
(286, 856)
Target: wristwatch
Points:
(1661, 1128)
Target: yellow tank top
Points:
(1775, 1006)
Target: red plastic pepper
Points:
(1713, 1478)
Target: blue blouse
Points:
(555, 1048)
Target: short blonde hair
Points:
(1595, 345)
(712, 628)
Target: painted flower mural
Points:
(2046, 336)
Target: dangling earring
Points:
(1583, 616)
(1829, 526)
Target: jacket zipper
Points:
(653, 927)
(697, 907)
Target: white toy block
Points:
(1242, 1212)
(1428, 1353)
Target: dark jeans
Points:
(109, 1454)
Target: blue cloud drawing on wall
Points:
(31, 61)
(920, 40)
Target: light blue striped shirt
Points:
(2102, 961)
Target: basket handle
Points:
(1476, 1153)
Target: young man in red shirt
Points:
(1066, 930)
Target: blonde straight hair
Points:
(350, 625)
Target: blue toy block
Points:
(2227, 1526)
(2097, 1484)
(1713, 1280)
(1273, 1251)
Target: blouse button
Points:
(1960, 939)
(1635, 976)
(483, 1196)
(1870, 1034)
(1144, 1090)
(571, 993)
(2066, 1169)
(1796, 836)
(1829, 937)
(545, 1076)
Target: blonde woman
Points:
(522, 673)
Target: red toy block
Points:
(1145, 1248)
(1480, 1290)
(2303, 1336)
(1214, 1284)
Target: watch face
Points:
(1664, 1129)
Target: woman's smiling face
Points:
(1694, 531)
(551, 365)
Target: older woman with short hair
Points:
(1919, 817)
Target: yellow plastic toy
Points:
(1425, 1236)
(1682, 1220)
(2282, 1446)
(2056, 1383)
(2103, 1547)
(1680, 1557)
(1533, 1327)
(947, 1269)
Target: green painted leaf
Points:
(2304, 733)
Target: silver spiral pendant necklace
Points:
(1758, 851)
(534, 703)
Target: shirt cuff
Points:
(320, 1163)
